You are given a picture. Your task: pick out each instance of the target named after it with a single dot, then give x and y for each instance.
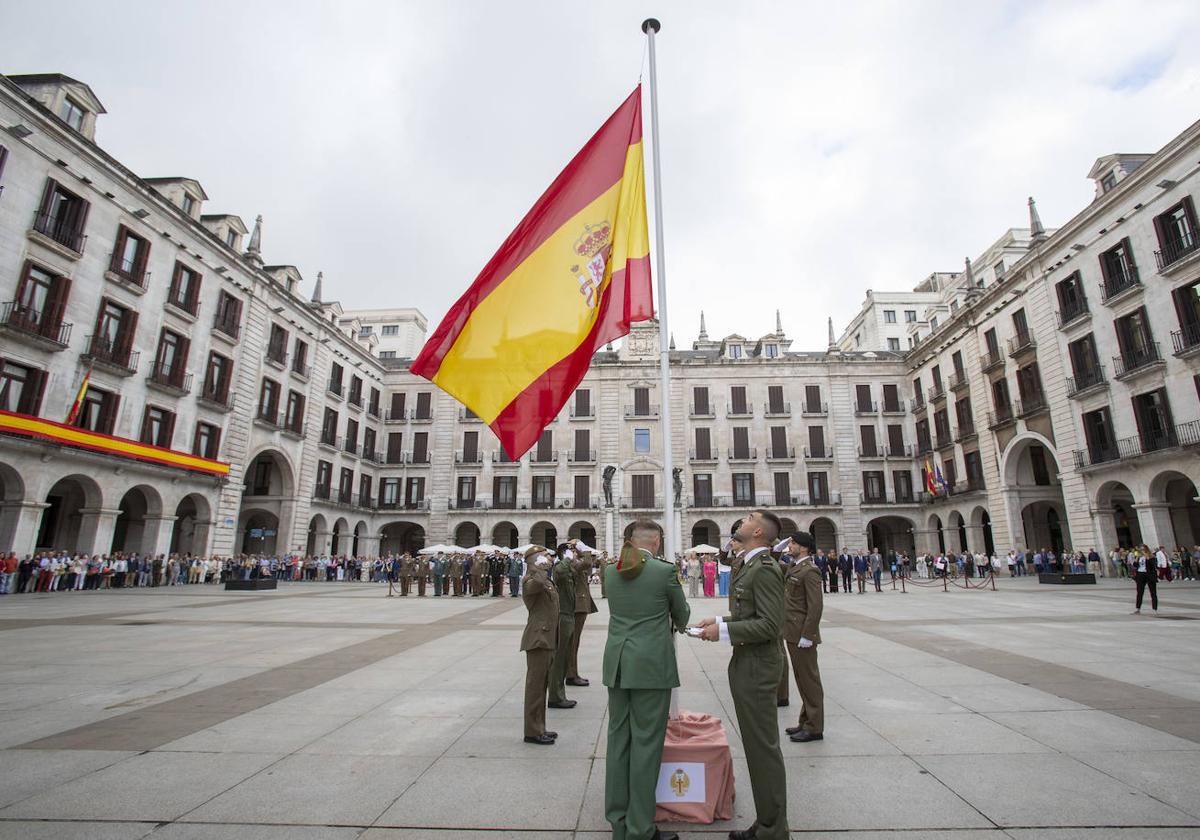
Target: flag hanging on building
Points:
(73, 414)
(572, 276)
(941, 481)
(930, 481)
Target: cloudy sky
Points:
(810, 150)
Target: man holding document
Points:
(646, 604)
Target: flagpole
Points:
(650, 26)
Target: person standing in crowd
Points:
(845, 567)
(693, 575)
(1146, 575)
(646, 605)
(861, 564)
(584, 606)
(421, 570)
(563, 576)
(514, 574)
(723, 572)
(802, 633)
(753, 628)
(539, 642)
(710, 576)
(496, 569)
(478, 571)
(877, 568)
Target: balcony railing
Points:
(174, 378)
(501, 460)
(783, 453)
(1187, 338)
(119, 359)
(965, 432)
(702, 456)
(1073, 314)
(937, 392)
(371, 455)
(586, 413)
(1129, 364)
(901, 451)
(461, 457)
(703, 411)
(466, 415)
(777, 410)
(865, 498)
(227, 326)
(417, 458)
(1119, 282)
(743, 411)
(33, 323)
(924, 446)
(373, 410)
(296, 428)
(918, 403)
(1183, 435)
(896, 407)
(348, 445)
(871, 452)
(815, 409)
(1000, 418)
(419, 416)
(536, 457)
(641, 502)
(277, 357)
(1177, 249)
(336, 388)
(60, 231)
(822, 454)
(632, 411)
(395, 416)
(944, 440)
(1085, 381)
(266, 416)
(991, 360)
(216, 396)
(750, 453)
(300, 369)
(1030, 405)
(861, 408)
(355, 400)
(971, 485)
(1021, 343)
(581, 456)
(958, 380)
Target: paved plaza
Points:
(330, 711)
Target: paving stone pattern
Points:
(330, 711)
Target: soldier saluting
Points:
(538, 641)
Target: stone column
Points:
(368, 546)
(1016, 526)
(19, 522)
(156, 535)
(96, 526)
(202, 532)
(1155, 521)
(321, 543)
(925, 540)
(1104, 528)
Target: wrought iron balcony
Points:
(634, 412)
(26, 322)
(702, 411)
(171, 378)
(937, 392)
(337, 389)
(581, 456)
(901, 451)
(468, 458)
(870, 453)
(550, 457)
(1183, 435)
(1176, 249)
(1085, 381)
(782, 454)
(958, 381)
(227, 326)
(944, 440)
(1186, 339)
(965, 432)
(61, 230)
(702, 456)
(749, 453)
(895, 407)
(822, 454)
(466, 415)
(1021, 343)
(1076, 314)
(586, 413)
(815, 409)
(395, 416)
(1118, 283)
(991, 360)
(1031, 405)
(861, 408)
(417, 458)
(1130, 364)
(111, 355)
(1000, 418)
(777, 410)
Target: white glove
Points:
(805, 643)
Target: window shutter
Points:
(56, 306)
(128, 329)
(143, 256)
(118, 249)
(31, 400)
(168, 434)
(185, 346)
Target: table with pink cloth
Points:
(695, 739)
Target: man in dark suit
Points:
(646, 604)
(538, 641)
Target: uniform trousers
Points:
(637, 727)
(576, 633)
(753, 681)
(537, 674)
(808, 683)
(781, 693)
(405, 584)
(421, 586)
(558, 667)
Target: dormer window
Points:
(231, 238)
(772, 351)
(72, 113)
(1108, 182)
(735, 351)
(189, 204)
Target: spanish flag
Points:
(78, 404)
(930, 481)
(572, 276)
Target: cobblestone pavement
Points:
(331, 711)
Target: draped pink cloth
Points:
(699, 738)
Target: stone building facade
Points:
(196, 345)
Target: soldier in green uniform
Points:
(584, 606)
(406, 573)
(564, 581)
(646, 603)
(803, 602)
(753, 627)
(538, 641)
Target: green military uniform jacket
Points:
(583, 592)
(803, 602)
(643, 612)
(564, 582)
(541, 599)
(756, 593)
